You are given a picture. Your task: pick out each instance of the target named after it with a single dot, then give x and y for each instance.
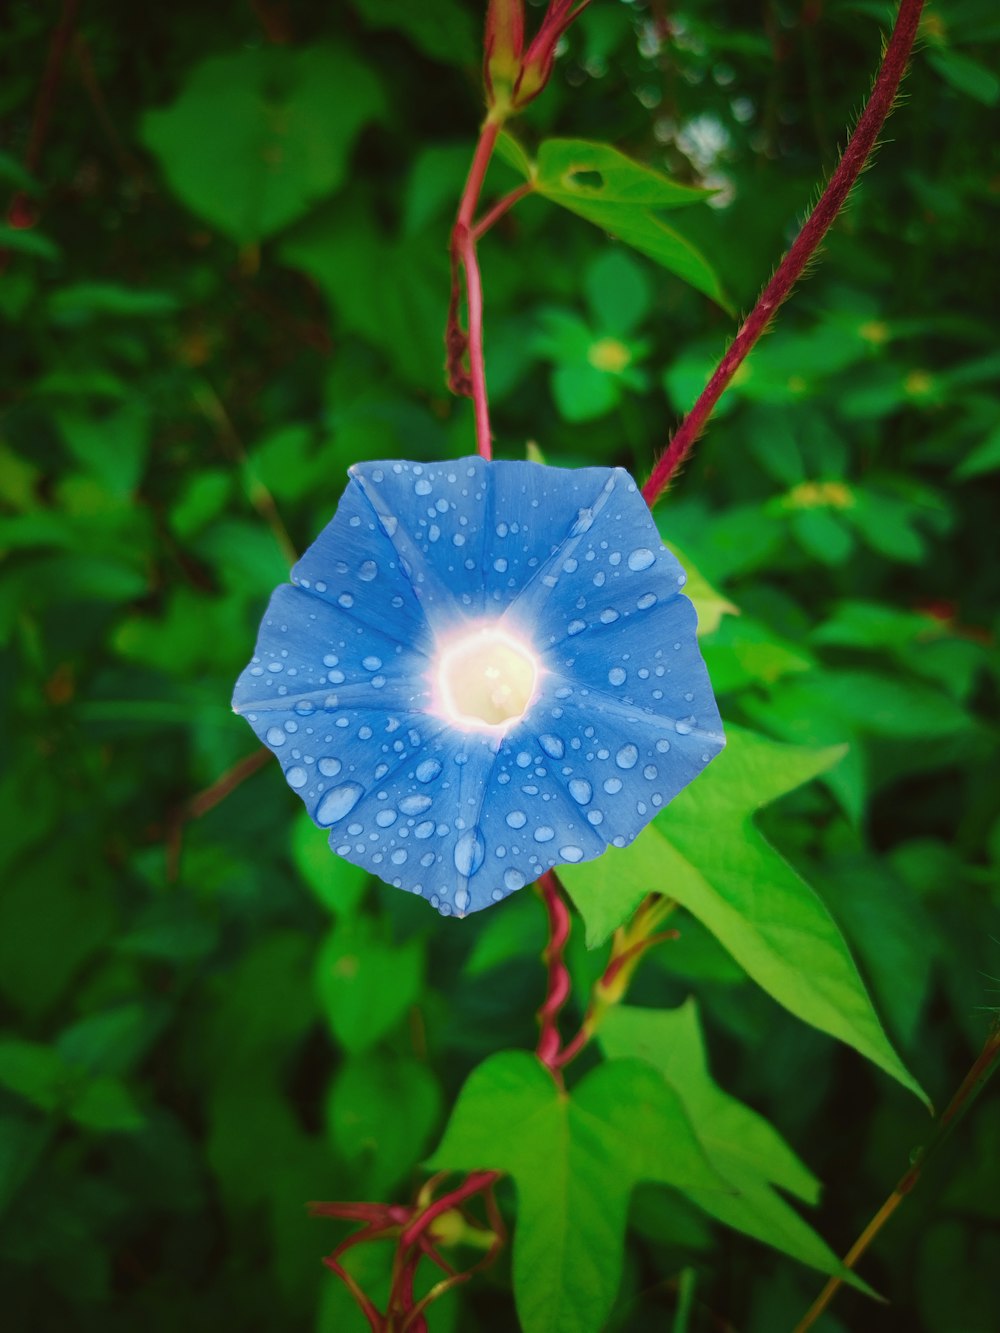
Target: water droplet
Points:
(580, 790)
(649, 772)
(513, 880)
(424, 829)
(296, 777)
(612, 786)
(617, 676)
(461, 899)
(571, 853)
(414, 805)
(398, 856)
(552, 745)
(371, 663)
(422, 487)
(367, 571)
(662, 745)
(385, 818)
(517, 819)
(469, 853)
(329, 767)
(389, 524)
(641, 558)
(338, 803)
(275, 736)
(544, 834)
(500, 565)
(627, 756)
(609, 615)
(683, 726)
(576, 627)
(345, 600)
(427, 770)
(647, 600)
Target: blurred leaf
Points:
(768, 918)
(392, 293)
(618, 292)
(254, 138)
(381, 1111)
(967, 75)
(366, 985)
(24, 242)
(444, 30)
(984, 458)
(84, 301)
(574, 1160)
(112, 447)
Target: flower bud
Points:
(503, 44)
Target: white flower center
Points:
(486, 679)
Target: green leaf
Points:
(705, 851)
(574, 1159)
(111, 447)
(710, 605)
(338, 885)
(366, 985)
(744, 1147)
(45, 1077)
(256, 137)
(605, 187)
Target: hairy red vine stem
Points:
(857, 153)
(463, 255)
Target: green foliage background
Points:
(237, 287)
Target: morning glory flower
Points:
(482, 670)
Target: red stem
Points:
(473, 1184)
(463, 251)
(494, 214)
(790, 269)
(559, 986)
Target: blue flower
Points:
(482, 670)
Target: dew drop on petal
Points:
(552, 745)
(627, 756)
(647, 600)
(580, 790)
(275, 736)
(427, 770)
(422, 487)
(641, 558)
(571, 853)
(371, 663)
(617, 676)
(385, 818)
(414, 805)
(296, 777)
(345, 600)
(612, 786)
(424, 829)
(576, 627)
(338, 803)
(367, 571)
(469, 853)
(517, 819)
(513, 880)
(329, 767)
(544, 834)
(609, 615)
